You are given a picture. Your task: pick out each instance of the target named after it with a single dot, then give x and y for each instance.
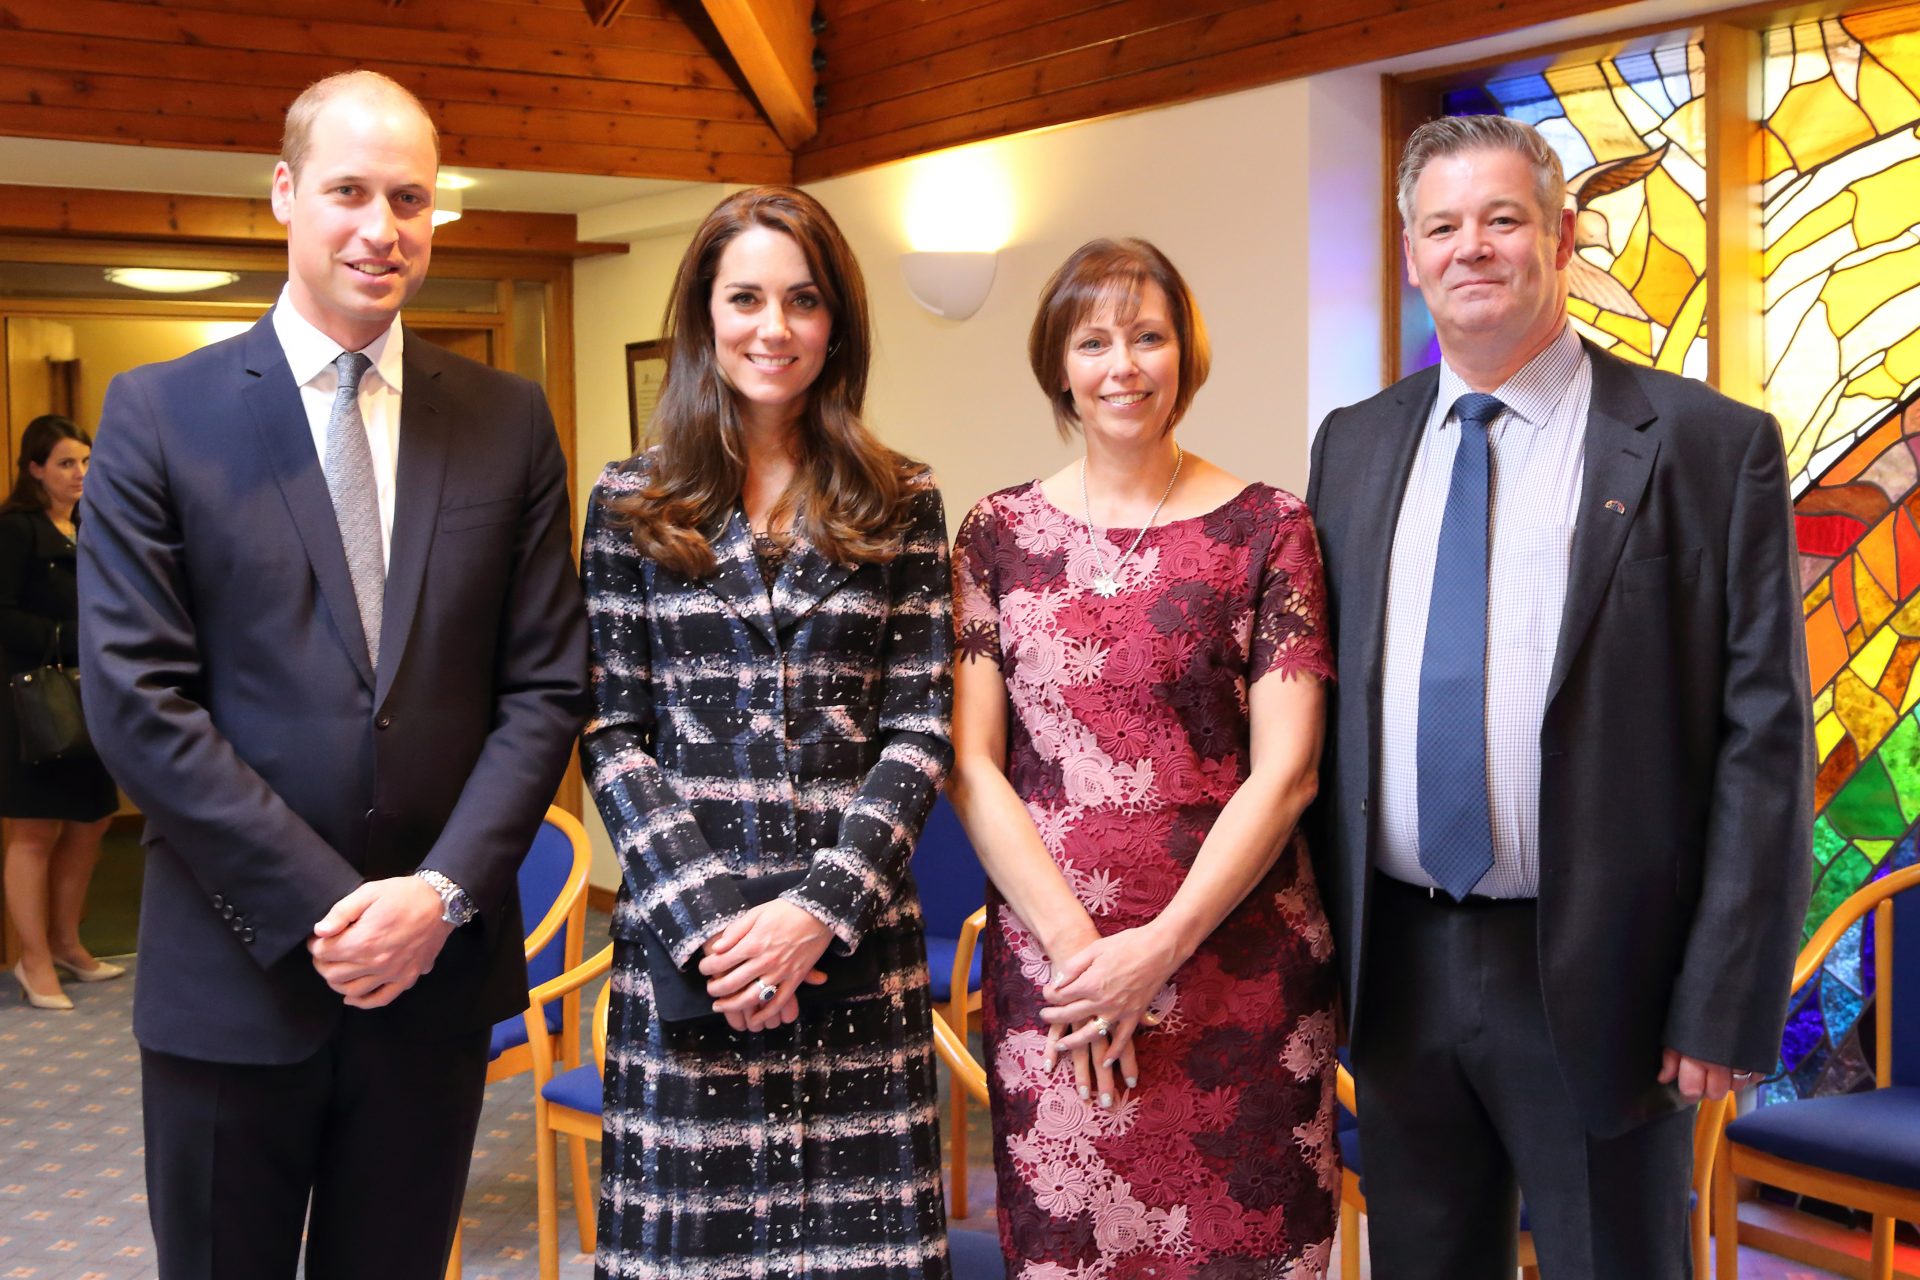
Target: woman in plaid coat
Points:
(767, 587)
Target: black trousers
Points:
(1463, 1111)
(374, 1133)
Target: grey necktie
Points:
(356, 502)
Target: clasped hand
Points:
(374, 944)
(776, 943)
(1108, 984)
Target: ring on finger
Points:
(1101, 1026)
(767, 991)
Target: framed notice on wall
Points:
(646, 371)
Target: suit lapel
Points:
(419, 476)
(1396, 434)
(1620, 456)
(805, 580)
(736, 576)
(281, 422)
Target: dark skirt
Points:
(76, 790)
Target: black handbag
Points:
(680, 995)
(46, 709)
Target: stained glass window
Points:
(1841, 257)
(1841, 267)
(1860, 568)
(1630, 130)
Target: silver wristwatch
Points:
(456, 908)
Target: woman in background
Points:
(58, 810)
(767, 589)
(1137, 720)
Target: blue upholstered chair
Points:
(1861, 1150)
(566, 1104)
(1353, 1200)
(553, 894)
(952, 888)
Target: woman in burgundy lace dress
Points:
(1137, 723)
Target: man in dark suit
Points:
(335, 650)
(1566, 798)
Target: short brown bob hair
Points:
(1119, 271)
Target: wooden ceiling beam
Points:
(54, 89)
(285, 74)
(601, 13)
(349, 44)
(641, 25)
(772, 42)
(140, 215)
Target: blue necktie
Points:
(1456, 826)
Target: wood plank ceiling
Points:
(699, 90)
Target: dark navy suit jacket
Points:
(1676, 782)
(228, 688)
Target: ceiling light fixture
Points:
(448, 202)
(168, 279)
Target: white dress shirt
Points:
(310, 355)
(1538, 453)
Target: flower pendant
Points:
(1105, 585)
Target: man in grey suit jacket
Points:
(335, 650)
(1566, 798)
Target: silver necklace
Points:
(1105, 583)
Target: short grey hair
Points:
(1454, 135)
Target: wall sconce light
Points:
(952, 284)
(448, 202)
(959, 212)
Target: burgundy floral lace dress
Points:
(1128, 736)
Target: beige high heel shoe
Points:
(102, 971)
(57, 1001)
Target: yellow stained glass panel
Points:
(1816, 122)
(1854, 292)
(1889, 203)
(1835, 213)
(1664, 285)
(1886, 101)
(1677, 214)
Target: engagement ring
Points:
(767, 991)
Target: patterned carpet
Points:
(72, 1194)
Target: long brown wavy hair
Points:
(849, 494)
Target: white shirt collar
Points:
(1534, 389)
(310, 353)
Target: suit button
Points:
(218, 902)
(384, 722)
(226, 913)
(369, 815)
(246, 935)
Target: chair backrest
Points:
(1905, 1002)
(952, 883)
(553, 878)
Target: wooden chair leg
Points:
(1881, 1267)
(586, 1198)
(453, 1258)
(546, 1196)
(1349, 1240)
(957, 1162)
(1726, 1218)
(1700, 1233)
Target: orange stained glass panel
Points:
(1906, 541)
(1826, 646)
(1844, 608)
(1899, 673)
(1878, 554)
(1863, 455)
(1871, 599)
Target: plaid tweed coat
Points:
(739, 731)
